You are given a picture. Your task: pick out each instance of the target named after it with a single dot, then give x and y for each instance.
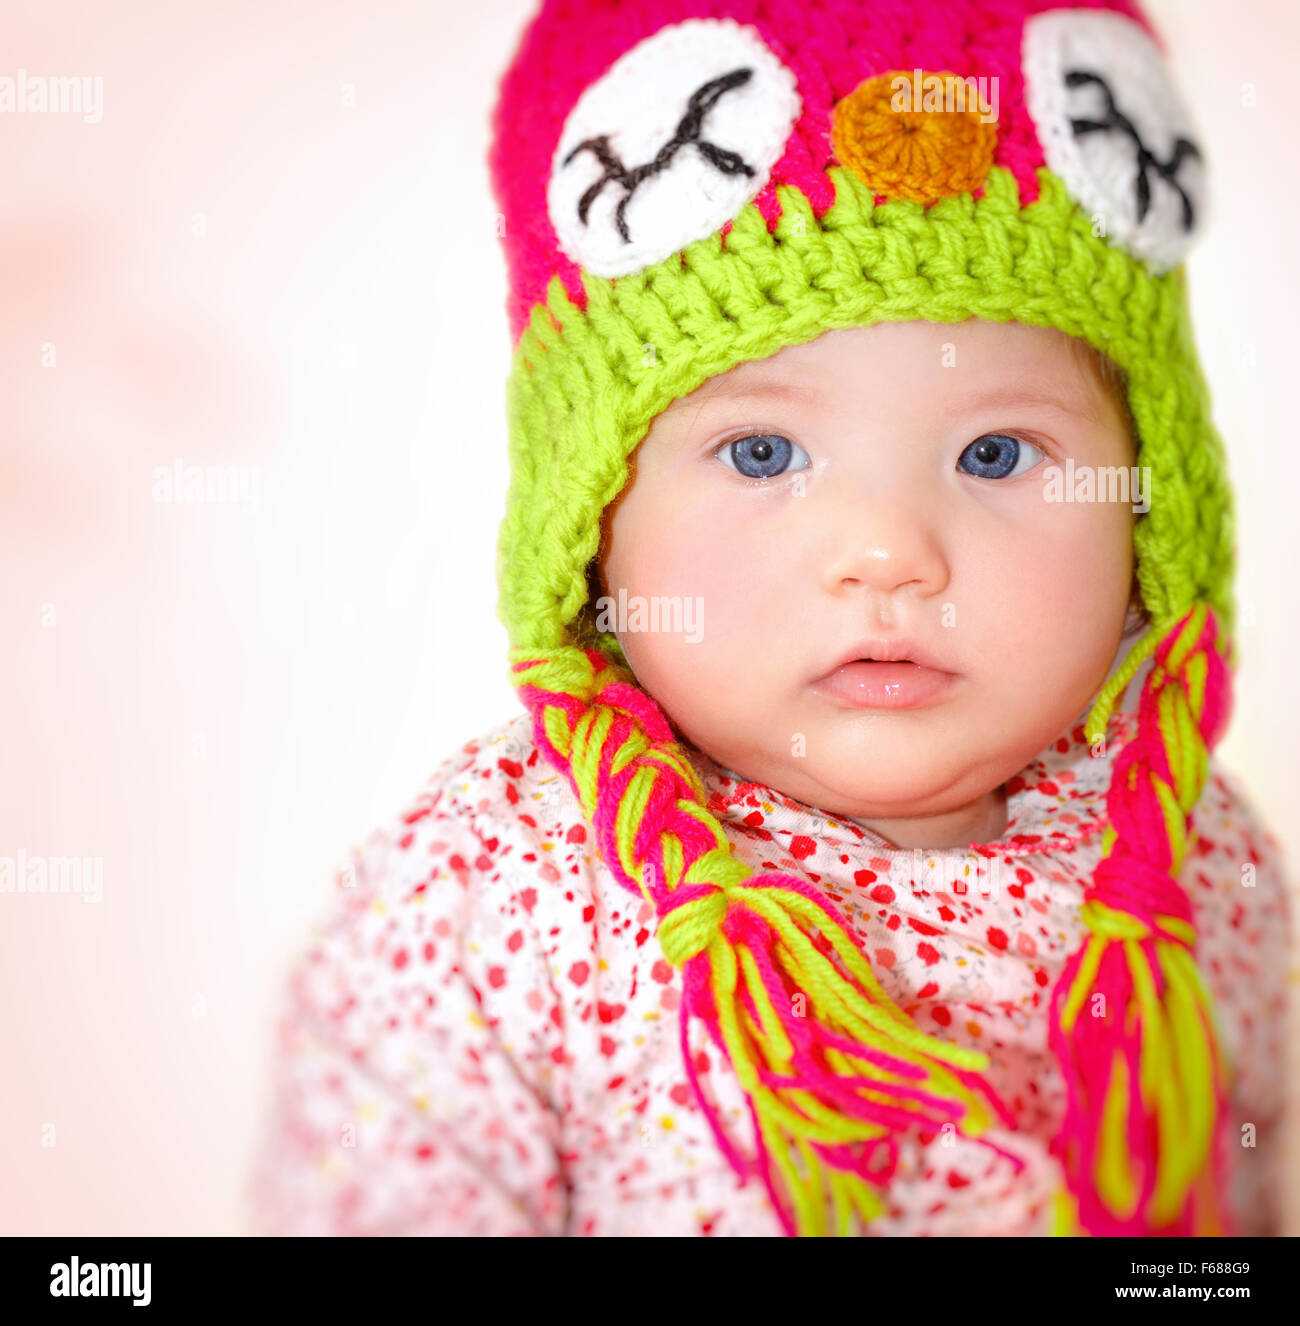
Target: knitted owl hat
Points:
(685, 185)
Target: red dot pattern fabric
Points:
(483, 1036)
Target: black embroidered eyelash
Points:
(702, 100)
(1117, 120)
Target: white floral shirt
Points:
(484, 1037)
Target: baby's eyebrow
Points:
(1024, 394)
(1006, 396)
(1028, 395)
(717, 389)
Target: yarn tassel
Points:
(832, 1068)
(1132, 1024)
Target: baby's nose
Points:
(915, 135)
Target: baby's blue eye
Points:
(996, 456)
(761, 456)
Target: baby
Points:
(861, 467)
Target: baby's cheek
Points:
(714, 679)
(734, 576)
(1072, 589)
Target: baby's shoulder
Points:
(431, 965)
(460, 881)
(486, 818)
(1227, 823)
(1234, 861)
(489, 776)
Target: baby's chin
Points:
(871, 796)
(889, 772)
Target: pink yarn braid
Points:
(1135, 878)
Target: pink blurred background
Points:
(277, 251)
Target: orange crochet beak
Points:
(915, 135)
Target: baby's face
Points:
(882, 484)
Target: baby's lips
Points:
(893, 649)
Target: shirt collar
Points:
(1053, 804)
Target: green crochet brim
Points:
(585, 384)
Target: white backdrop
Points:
(278, 250)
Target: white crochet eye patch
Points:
(669, 144)
(1112, 125)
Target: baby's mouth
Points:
(886, 675)
(878, 684)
